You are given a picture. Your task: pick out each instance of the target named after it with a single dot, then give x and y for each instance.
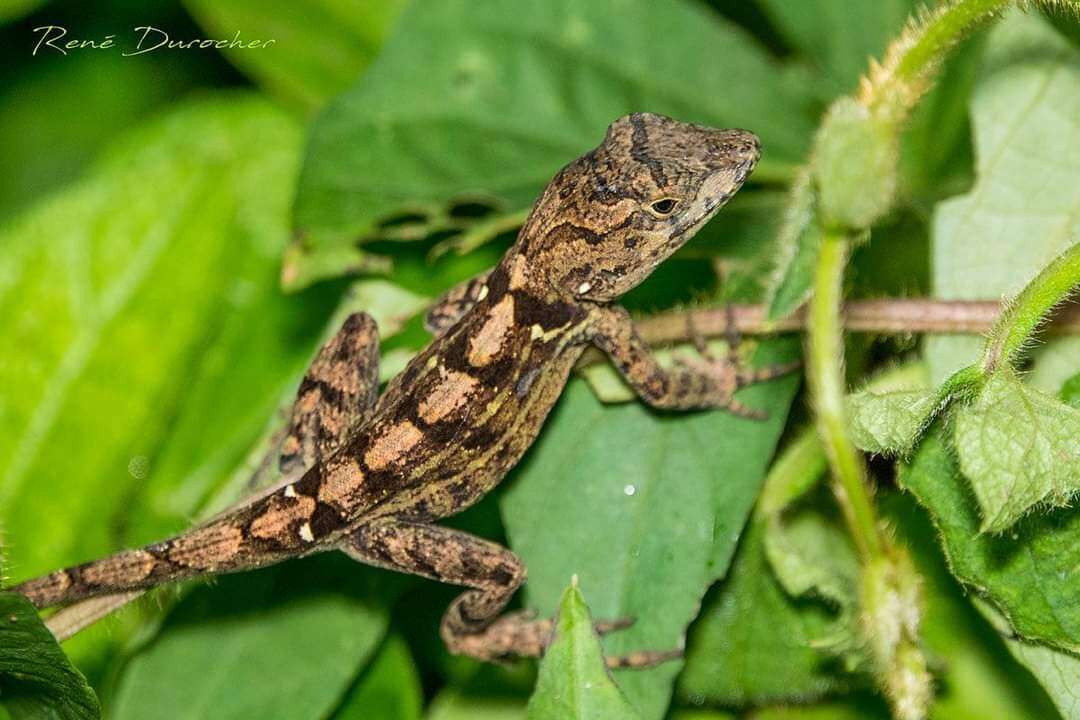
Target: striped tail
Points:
(213, 548)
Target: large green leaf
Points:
(889, 422)
(154, 340)
(41, 147)
(119, 292)
(1028, 573)
(837, 36)
(645, 508)
(36, 679)
(1024, 209)
(753, 644)
(14, 9)
(977, 678)
(280, 643)
(320, 46)
(495, 107)
(1021, 213)
(574, 682)
(1019, 447)
(1057, 670)
(389, 689)
(451, 705)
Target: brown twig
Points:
(885, 316)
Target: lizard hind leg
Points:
(339, 391)
(472, 625)
(453, 305)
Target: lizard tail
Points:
(123, 570)
(271, 527)
(213, 548)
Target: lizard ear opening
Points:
(663, 207)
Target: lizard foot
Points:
(729, 373)
(519, 635)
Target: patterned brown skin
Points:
(380, 470)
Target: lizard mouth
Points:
(715, 192)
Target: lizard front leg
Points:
(472, 625)
(705, 384)
(448, 309)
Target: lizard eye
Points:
(663, 207)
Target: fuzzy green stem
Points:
(943, 30)
(1031, 307)
(825, 360)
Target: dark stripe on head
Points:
(639, 150)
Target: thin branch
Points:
(885, 316)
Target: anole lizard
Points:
(373, 473)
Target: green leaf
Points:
(752, 645)
(137, 281)
(796, 471)
(491, 110)
(285, 642)
(320, 46)
(389, 688)
(798, 245)
(1028, 573)
(977, 678)
(36, 678)
(15, 9)
(860, 707)
(890, 422)
(668, 493)
(574, 682)
(41, 147)
(452, 705)
(812, 556)
(854, 164)
(168, 344)
(1070, 391)
(1058, 671)
(936, 159)
(1023, 210)
(686, 714)
(838, 36)
(1018, 447)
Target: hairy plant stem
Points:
(942, 30)
(1027, 312)
(825, 376)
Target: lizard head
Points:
(611, 216)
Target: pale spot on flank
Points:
(392, 445)
(584, 288)
(485, 345)
(306, 534)
(290, 491)
(536, 332)
(482, 294)
(451, 393)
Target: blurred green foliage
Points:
(152, 206)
